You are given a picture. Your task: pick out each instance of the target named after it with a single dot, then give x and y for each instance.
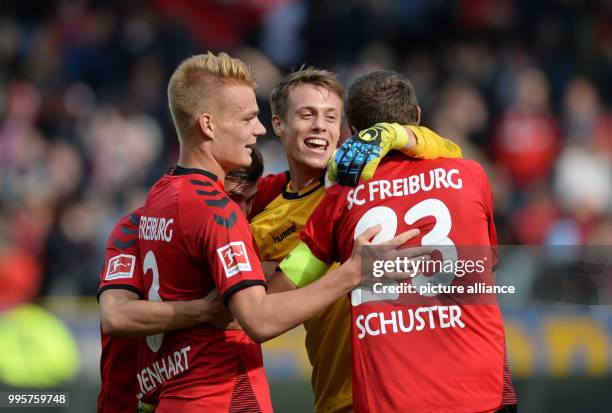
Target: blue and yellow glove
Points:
(359, 156)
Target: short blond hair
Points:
(196, 81)
(305, 75)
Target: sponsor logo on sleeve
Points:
(120, 266)
(234, 258)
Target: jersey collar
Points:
(288, 194)
(179, 170)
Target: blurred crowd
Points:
(524, 87)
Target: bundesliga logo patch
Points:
(120, 266)
(234, 258)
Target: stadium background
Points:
(523, 86)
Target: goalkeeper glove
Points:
(359, 156)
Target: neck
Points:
(303, 176)
(196, 156)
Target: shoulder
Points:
(476, 170)
(201, 195)
(268, 188)
(336, 190)
(130, 220)
(470, 164)
(124, 235)
(211, 206)
(472, 167)
(274, 180)
(334, 202)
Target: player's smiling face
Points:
(311, 127)
(236, 126)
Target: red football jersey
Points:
(433, 355)
(119, 355)
(192, 239)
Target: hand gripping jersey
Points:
(428, 356)
(118, 360)
(276, 229)
(193, 238)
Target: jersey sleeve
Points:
(430, 145)
(320, 230)
(268, 188)
(228, 248)
(122, 268)
(488, 203)
(313, 256)
(484, 187)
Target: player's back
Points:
(447, 199)
(193, 238)
(178, 271)
(421, 353)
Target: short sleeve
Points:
(430, 145)
(488, 202)
(268, 188)
(228, 247)
(122, 268)
(320, 230)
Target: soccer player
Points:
(124, 313)
(193, 238)
(307, 109)
(410, 357)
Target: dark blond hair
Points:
(198, 79)
(308, 75)
(381, 96)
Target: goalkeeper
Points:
(307, 108)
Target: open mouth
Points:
(317, 144)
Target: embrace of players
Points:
(183, 296)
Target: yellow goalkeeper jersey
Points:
(276, 230)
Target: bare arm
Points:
(264, 316)
(122, 314)
(278, 282)
(269, 267)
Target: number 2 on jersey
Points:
(150, 263)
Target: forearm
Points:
(423, 143)
(267, 316)
(142, 318)
(278, 283)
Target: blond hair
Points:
(308, 75)
(196, 82)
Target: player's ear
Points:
(277, 125)
(206, 125)
(418, 120)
